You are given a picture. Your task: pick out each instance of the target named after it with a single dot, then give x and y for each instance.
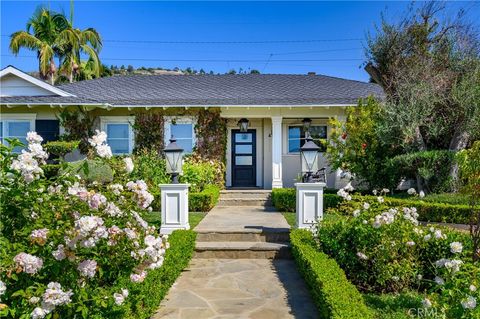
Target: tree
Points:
(469, 161)
(54, 37)
(421, 64)
(49, 32)
(356, 147)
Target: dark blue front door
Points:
(243, 158)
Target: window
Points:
(119, 134)
(183, 131)
(15, 128)
(296, 136)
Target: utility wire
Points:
(226, 42)
(207, 60)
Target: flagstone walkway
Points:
(257, 282)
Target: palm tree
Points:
(50, 31)
(87, 42)
(54, 36)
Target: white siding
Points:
(11, 85)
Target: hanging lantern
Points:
(174, 157)
(309, 157)
(243, 125)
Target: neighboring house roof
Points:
(212, 90)
(20, 81)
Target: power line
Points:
(208, 60)
(226, 42)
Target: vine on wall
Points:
(78, 125)
(149, 131)
(211, 133)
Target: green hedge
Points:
(284, 199)
(334, 295)
(205, 200)
(434, 212)
(144, 299)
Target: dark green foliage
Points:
(78, 124)
(333, 294)
(51, 170)
(149, 132)
(284, 199)
(145, 298)
(432, 166)
(61, 148)
(205, 200)
(211, 132)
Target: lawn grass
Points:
(393, 306)
(195, 218)
(155, 218)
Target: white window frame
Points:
(169, 120)
(105, 120)
(16, 117)
(287, 131)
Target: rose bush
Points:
(65, 242)
(384, 249)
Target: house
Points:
(275, 105)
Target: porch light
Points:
(309, 157)
(174, 155)
(243, 125)
(306, 124)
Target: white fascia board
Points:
(12, 70)
(233, 106)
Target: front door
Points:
(244, 158)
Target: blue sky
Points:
(337, 29)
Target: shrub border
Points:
(334, 295)
(145, 298)
(205, 200)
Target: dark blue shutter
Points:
(48, 129)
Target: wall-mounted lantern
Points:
(243, 125)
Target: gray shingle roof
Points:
(213, 90)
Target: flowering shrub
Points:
(383, 249)
(66, 242)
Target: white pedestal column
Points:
(309, 203)
(174, 207)
(277, 181)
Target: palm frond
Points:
(23, 39)
(46, 56)
(96, 65)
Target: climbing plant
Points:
(149, 131)
(78, 125)
(211, 133)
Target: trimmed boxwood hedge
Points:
(144, 299)
(205, 200)
(284, 199)
(334, 295)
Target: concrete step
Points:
(241, 201)
(272, 236)
(242, 250)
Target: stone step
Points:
(241, 236)
(240, 201)
(246, 194)
(242, 250)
